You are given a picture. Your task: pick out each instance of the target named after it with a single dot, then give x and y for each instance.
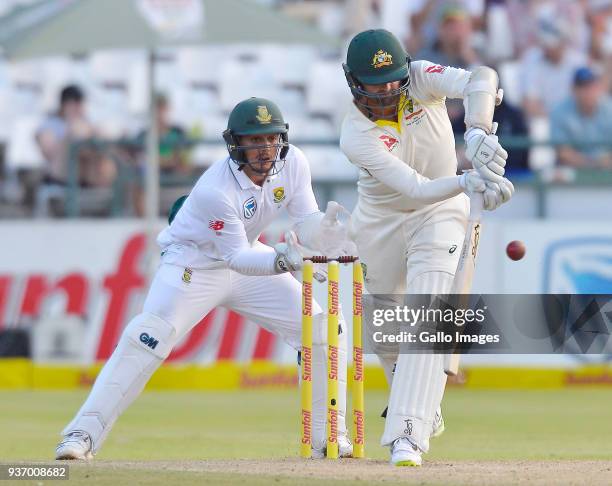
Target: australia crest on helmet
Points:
(382, 58)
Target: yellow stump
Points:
(358, 371)
(333, 306)
(306, 370)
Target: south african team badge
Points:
(279, 194)
(187, 275)
(249, 207)
(263, 115)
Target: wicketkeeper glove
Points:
(334, 237)
(289, 256)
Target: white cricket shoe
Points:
(345, 449)
(404, 453)
(345, 446)
(75, 445)
(438, 425)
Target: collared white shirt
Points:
(397, 159)
(226, 212)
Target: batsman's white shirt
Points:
(226, 212)
(395, 160)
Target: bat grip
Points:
(476, 205)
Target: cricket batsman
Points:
(211, 257)
(411, 215)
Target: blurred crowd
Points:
(554, 58)
(87, 127)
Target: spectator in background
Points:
(173, 141)
(174, 156)
(396, 17)
(453, 44)
(546, 69)
(63, 128)
(584, 119)
(511, 123)
(427, 15)
(524, 17)
(453, 47)
(599, 15)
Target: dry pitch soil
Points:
(290, 471)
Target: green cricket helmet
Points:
(256, 116)
(376, 57)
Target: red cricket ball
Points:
(516, 250)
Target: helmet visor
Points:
(388, 101)
(258, 157)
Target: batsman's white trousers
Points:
(411, 253)
(177, 300)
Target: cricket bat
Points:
(462, 284)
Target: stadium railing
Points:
(541, 181)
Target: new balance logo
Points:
(148, 340)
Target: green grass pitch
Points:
(188, 437)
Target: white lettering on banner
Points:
(96, 270)
(106, 299)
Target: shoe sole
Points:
(67, 457)
(407, 464)
(73, 457)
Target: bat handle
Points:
(476, 205)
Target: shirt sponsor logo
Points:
(249, 207)
(216, 225)
(416, 113)
(415, 118)
(437, 69)
(389, 142)
(279, 194)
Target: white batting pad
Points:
(147, 339)
(419, 380)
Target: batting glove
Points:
(471, 181)
(486, 154)
(497, 194)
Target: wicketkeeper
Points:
(411, 215)
(212, 257)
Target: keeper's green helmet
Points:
(376, 57)
(256, 116)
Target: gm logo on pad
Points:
(148, 340)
